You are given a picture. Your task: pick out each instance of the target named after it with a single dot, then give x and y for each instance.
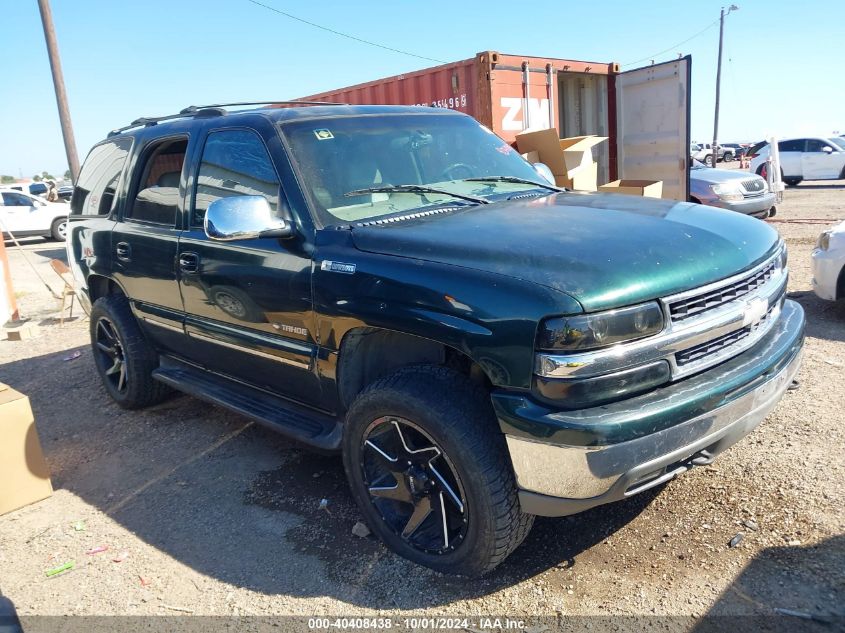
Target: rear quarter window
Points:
(97, 185)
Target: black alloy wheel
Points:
(413, 485)
(110, 355)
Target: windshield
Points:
(838, 142)
(340, 155)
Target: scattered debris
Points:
(79, 526)
(751, 524)
(324, 505)
(801, 614)
(97, 550)
(145, 582)
(73, 356)
(360, 530)
(121, 557)
(793, 543)
(60, 569)
(793, 385)
(172, 608)
(736, 540)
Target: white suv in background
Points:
(809, 158)
(24, 215)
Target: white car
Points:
(828, 263)
(808, 158)
(24, 215)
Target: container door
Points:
(653, 125)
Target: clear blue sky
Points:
(781, 74)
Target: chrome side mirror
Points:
(243, 218)
(545, 172)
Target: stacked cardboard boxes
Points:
(571, 161)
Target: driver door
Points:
(247, 301)
(819, 164)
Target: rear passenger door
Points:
(16, 213)
(146, 238)
(247, 302)
(790, 157)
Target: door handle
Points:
(189, 263)
(123, 251)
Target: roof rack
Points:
(217, 109)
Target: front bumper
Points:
(569, 461)
(827, 266)
(757, 205)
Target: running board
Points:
(316, 429)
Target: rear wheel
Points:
(792, 182)
(124, 358)
(58, 230)
(429, 469)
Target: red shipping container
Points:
(644, 112)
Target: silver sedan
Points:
(730, 189)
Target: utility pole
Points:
(714, 153)
(59, 85)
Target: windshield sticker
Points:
(337, 267)
(505, 149)
(323, 135)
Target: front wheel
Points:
(429, 469)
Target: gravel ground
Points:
(210, 514)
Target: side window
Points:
(16, 200)
(157, 197)
(95, 190)
(234, 163)
(815, 145)
(796, 145)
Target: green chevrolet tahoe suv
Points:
(397, 284)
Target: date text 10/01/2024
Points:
(424, 623)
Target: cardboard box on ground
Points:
(571, 162)
(24, 476)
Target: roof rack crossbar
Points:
(213, 109)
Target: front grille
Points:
(753, 185)
(693, 306)
(718, 345)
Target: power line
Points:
(692, 37)
(346, 35)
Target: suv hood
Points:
(604, 250)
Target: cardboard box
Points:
(570, 159)
(531, 157)
(645, 188)
(578, 151)
(582, 180)
(24, 476)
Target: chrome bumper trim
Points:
(580, 473)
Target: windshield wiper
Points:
(415, 189)
(514, 179)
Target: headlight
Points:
(729, 192)
(591, 331)
(823, 242)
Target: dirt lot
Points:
(211, 514)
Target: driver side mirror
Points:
(827, 149)
(243, 218)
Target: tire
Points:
(58, 229)
(124, 358)
(430, 409)
(792, 182)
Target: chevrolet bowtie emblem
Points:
(755, 311)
